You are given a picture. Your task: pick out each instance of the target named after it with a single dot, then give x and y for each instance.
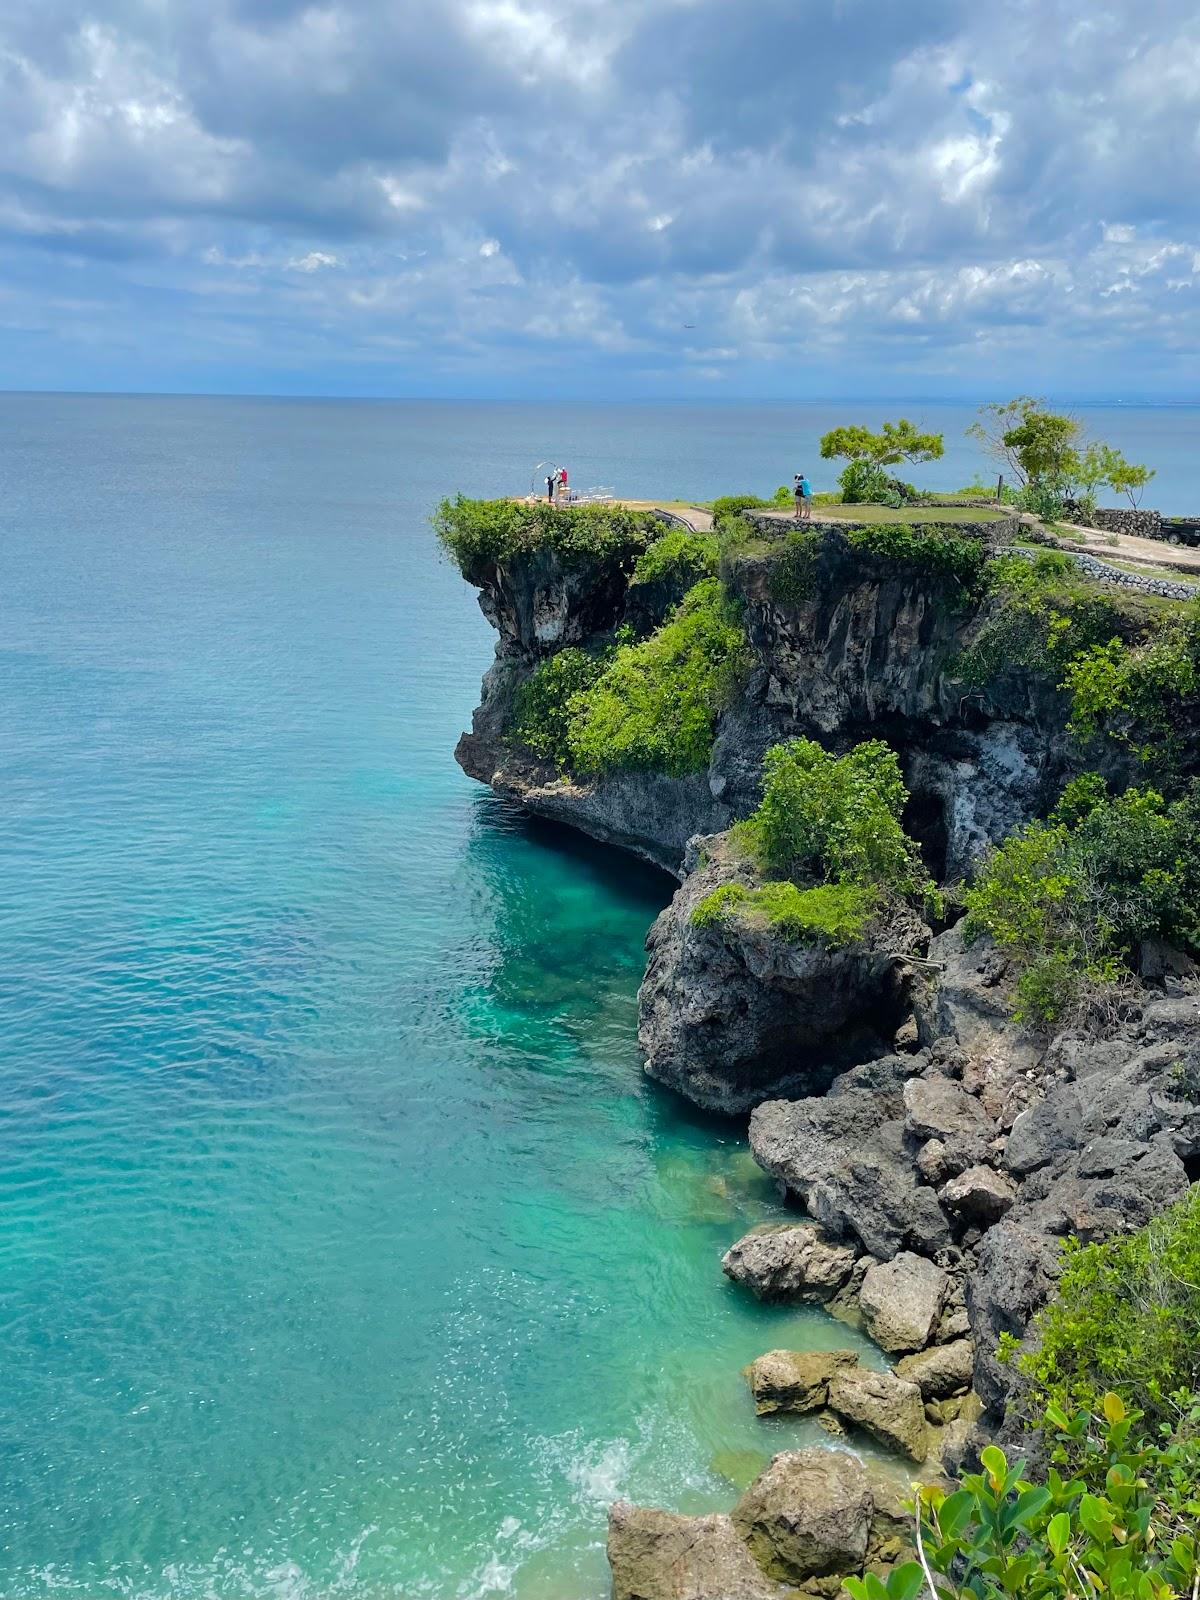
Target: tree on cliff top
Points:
(895, 442)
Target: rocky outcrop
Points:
(659, 1555)
(733, 1013)
(901, 1301)
(797, 1263)
(795, 1380)
(871, 649)
(885, 1406)
(808, 1520)
(807, 1516)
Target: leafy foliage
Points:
(954, 557)
(654, 706)
(793, 574)
(895, 442)
(1126, 1317)
(1047, 454)
(826, 913)
(1070, 897)
(732, 505)
(541, 709)
(680, 556)
(1117, 687)
(836, 818)
(1044, 613)
(474, 532)
(1121, 1525)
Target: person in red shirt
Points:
(562, 484)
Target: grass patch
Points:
(825, 913)
(912, 515)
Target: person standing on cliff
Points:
(551, 484)
(803, 498)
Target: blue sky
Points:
(611, 198)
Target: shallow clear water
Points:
(344, 1250)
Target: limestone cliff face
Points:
(872, 653)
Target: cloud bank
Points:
(702, 197)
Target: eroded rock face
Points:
(796, 1263)
(845, 1157)
(659, 1555)
(732, 1015)
(807, 1516)
(942, 1372)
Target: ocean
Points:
(345, 1250)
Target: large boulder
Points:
(940, 1108)
(659, 1555)
(980, 1195)
(795, 1380)
(889, 1408)
(846, 1157)
(796, 1262)
(941, 1372)
(902, 1300)
(807, 1516)
(732, 1013)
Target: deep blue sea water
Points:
(344, 1249)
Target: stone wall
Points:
(1141, 524)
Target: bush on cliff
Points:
(837, 818)
(953, 558)
(654, 707)
(1070, 898)
(1126, 1318)
(1121, 1524)
(488, 531)
(680, 556)
(542, 706)
(831, 819)
(1124, 689)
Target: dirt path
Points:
(1126, 547)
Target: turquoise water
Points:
(344, 1249)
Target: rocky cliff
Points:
(940, 1152)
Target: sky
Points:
(602, 198)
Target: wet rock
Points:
(980, 1194)
(889, 1408)
(795, 1380)
(901, 1301)
(807, 1516)
(659, 1555)
(796, 1263)
(942, 1371)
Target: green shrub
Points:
(487, 531)
(783, 496)
(836, 818)
(654, 707)
(541, 714)
(826, 913)
(1126, 1317)
(863, 483)
(1071, 897)
(1119, 688)
(680, 556)
(953, 557)
(793, 573)
(1121, 1524)
(732, 505)
(1043, 613)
